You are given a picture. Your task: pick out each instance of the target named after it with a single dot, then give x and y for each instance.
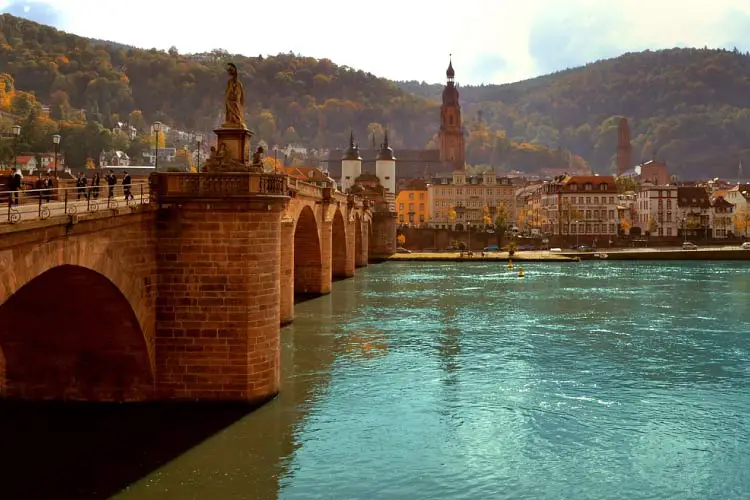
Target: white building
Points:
(739, 196)
(657, 210)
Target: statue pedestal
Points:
(237, 143)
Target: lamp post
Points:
(199, 140)
(157, 128)
(56, 145)
(577, 232)
(16, 133)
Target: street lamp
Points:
(577, 232)
(157, 128)
(56, 145)
(199, 140)
(16, 133)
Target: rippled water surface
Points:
(582, 381)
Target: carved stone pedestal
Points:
(232, 151)
(236, 141)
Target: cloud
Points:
(492, 41)
(34, 11)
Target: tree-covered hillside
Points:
(689, 106)
(289, 98)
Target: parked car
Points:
(527, 248)
(584, 248)
(492, 248)
(689, 246)
(745, 246)
(402, 250)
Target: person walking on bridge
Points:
(127, 183)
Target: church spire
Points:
(450, 73)
(352, 152)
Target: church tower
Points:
(624, 148)
(451, 135)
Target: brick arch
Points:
(71, 333)
(339, 250)
(308, 261)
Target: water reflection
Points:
(592, 381)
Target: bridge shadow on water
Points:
(93, 450)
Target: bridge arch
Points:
(339, 250)
(71, 333)
(308, 261)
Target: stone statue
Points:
(258, 157)
(219, 161)
(234, 98)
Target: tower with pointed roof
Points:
(451, 134)
(351, 165)
(385, 166)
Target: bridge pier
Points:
(286, 275)
(218, 303)
(382, 239)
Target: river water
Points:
(593, 380)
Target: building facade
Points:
(657, 210)
(458, 198)
(413, 207)
(581, 206)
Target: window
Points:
(611, 200)
(603, 186)
(588, 200)
(400, 206)
(588, 187)
(669, 231)
(401, 217)
(596, 200)
(612, 228)
(421, 196)
(411, 207)
(411, 196)
(421, 218)
(421, 207)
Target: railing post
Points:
(87, 194)
(140, 188)
(65, 205)
(10, 203)
(40, 204)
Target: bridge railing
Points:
(165, 185)
(40, 204)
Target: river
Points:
(593, 380)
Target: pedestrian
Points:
(126, 184)
(14, 184)
(95, 182)
(111, 182)
(48, 187)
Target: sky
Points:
(491, 41)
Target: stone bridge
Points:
(181, 298)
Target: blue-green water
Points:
(443, 381)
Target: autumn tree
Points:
(452, 215)
(501, 219)
(90, 165)
(486, 215)
(652, 226)
(625, 225)
(401, 239)
(271, 164)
